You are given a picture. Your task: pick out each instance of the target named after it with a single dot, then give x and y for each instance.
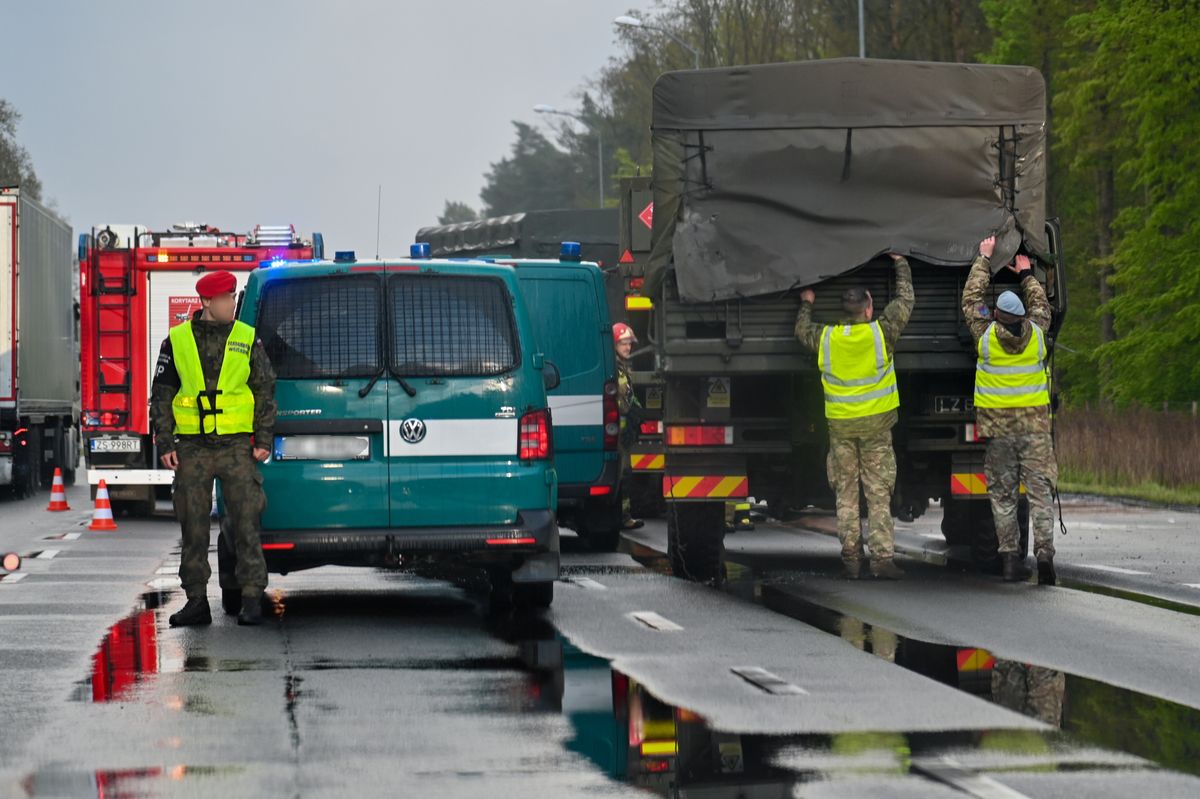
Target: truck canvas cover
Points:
(774, 177)
(531, 234)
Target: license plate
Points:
(116, 445)
(953, 404)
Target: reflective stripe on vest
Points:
(856, 371)
(228, 409)
(1007, 380)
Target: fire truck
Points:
(135, 285)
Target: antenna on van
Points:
(378, 206)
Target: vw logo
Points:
(412, 431)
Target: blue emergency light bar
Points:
(570, 251)
(420, 251)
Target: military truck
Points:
(768, 179)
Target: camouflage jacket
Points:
(626, 399)
(210, 341)
(996, 422)
(892, 321)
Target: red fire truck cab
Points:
(135, 285)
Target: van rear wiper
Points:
(408, 389)
(365, 390)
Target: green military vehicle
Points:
(771, 178)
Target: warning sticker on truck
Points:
(718, 392)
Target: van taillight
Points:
(612, 416)
(534, 437)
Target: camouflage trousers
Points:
(1011, 461)
(231, 462)
(871, 461)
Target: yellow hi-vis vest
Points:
(228, 409)
(856, 371)
(1005, 380)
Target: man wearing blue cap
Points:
(1012, 408)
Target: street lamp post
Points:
(634, 22)
(549, 109)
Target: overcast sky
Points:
(236, 112)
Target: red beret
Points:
(215, 283)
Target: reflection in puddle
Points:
(1096, 712)
(113, 783)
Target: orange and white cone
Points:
(102, 517)
(58, 493)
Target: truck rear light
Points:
(971, 434)
(698, 436)
(322, 448)
(5, 443)
(282, 545)
(612, 416)
(653, 428)
(637, 283)
(533, 436)
(600, 491)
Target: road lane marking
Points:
(654, 621)
(1192, 585)
(47, 554)
(1113, 569)
(587, 582)
(766, 681)
(62, 537)
(950, 772)
(12, 578)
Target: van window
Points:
(565, 317)
(451, 326)
(321, 327)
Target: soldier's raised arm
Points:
(807, 331)
(975, 310)
(1037, 304)
(895, 316)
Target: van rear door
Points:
(452, 445)
(328, 468)
(565, 308)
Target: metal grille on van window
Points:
(450, 326)
(321, 327)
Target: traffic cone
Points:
(102, 518)
(58, 493)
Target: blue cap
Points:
(570, 251)
(420, 251)
(343, 256)
(1010, 303)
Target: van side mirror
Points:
(551, 376)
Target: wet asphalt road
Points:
(787, 682)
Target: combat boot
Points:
(1013, 568)
(251, 614)
(886, 569)
(1046, 573)
(194, 613)
(851, 569)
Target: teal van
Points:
(567, 306)
(413, 425)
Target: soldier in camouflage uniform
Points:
(860, 448)
(231, 457)
(629, 408)
(1020, 447)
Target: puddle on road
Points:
(633, 737)
(1085, 710)
(1096, 712)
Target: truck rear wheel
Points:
(696, 540)
(969, 522)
